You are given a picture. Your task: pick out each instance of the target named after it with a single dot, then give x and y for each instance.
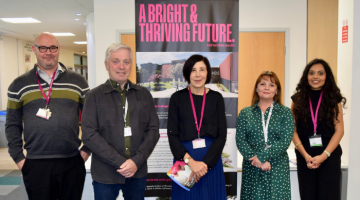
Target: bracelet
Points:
(298, 144)
(327, 153)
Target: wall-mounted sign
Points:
(345, 31)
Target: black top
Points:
(323, 129)
(181, 124)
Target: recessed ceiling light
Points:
(21, 20)
(83, 52)
(80, 42)
(78, 14)
(76, 19)
(64, 34)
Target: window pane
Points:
(77, 60)
(84, 60)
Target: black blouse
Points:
(306, 130)
(181, 124)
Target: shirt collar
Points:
(59, 69)
(276, 106)
(109, 87)
(117, 86)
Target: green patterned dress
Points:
(257, 184)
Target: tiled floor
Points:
(10, 185)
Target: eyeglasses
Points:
(43, 49)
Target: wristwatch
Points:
(187, 160)
(327, 153)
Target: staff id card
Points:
(198, 143)
(127, 131)
(315, 141)
(44, 113)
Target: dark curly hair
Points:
(328, 109)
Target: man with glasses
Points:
(44, 104)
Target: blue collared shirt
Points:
(48, 78)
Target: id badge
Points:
(315, 141)
(127, 131)
(198, 143)
(44, 113)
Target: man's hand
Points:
(84, 155)
(128, 168)
(21, 164)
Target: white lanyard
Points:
(266, 126)
(126, 109)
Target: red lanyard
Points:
(50, 87)
(314, 119)
(198, 126)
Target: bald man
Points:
(43, 104)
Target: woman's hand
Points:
(193, 176)
(309, 162)
(266, 166)
(255, 162)
(198, 167)
(317, 160)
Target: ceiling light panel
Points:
(63, 34)
(80, 42)
(19, 20)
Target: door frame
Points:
(287, 92)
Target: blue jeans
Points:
(133, 189)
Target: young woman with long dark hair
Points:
(317, 107)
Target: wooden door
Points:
(129, 40)
(258, 52)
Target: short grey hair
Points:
(114, 47)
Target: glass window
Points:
(77, 60)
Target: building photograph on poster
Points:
(162, 72)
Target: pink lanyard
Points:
(314, 119)
(50, 87)
(198, 126)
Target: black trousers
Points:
(54, 179)
(323, 183)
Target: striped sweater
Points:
(57, 137)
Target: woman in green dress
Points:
(263, 134)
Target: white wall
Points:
(110, 16)
(66, 57)
(344, 69)
(1, 66)
(9, 66)
(354, 155)
(90, 35)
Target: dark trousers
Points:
(133, 189)
(323, 183)
(54, 179)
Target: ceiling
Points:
(55, 16)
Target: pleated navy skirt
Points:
(209, 187)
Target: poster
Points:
(29, 59)
(168, 33)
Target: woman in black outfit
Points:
(199, 144)
(317, 136)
